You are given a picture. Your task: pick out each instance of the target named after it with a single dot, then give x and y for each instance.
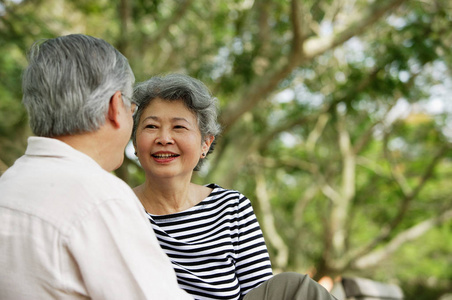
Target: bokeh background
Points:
(337, 117)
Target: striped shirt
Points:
(216, 247)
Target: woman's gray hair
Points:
(69, 82)
(195, 95)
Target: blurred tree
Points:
(326, 107)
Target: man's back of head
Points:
(69, 82)
(75, 89)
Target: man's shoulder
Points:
(61, 195)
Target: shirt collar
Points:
(43, 146)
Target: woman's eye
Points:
(179, 127)
(150, 126)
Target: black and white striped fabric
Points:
(216, 247)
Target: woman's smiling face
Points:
(168, 139)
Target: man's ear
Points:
(114, 109)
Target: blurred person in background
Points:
(69, 228)
(210, 233)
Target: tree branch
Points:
(264, 28)
(340, 207)
(410, 234)
(302, 203)
(297, 30)
(125, 17)
(265, 84)
(408, 197)
(411, 193)
(318, 45)
(164, 26)
(365, 138)
(282, 256)
(302, 50)
(316, 133)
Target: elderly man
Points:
(69, 228)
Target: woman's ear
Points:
(208, 140)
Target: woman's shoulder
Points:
(219, 189)
(223, 193)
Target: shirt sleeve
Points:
(118, 257)
(253, 265)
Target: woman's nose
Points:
(164, 137)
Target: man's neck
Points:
(95, 145)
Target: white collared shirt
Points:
(71, 230)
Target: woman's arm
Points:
(253, 265)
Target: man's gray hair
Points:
(69, 82)
(195, 95)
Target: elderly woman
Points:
(210, 234)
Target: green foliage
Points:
(307, 112)
(432, 267)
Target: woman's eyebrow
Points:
(180, 119)
(151, 117)
(155, 118)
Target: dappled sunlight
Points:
(336, 115)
